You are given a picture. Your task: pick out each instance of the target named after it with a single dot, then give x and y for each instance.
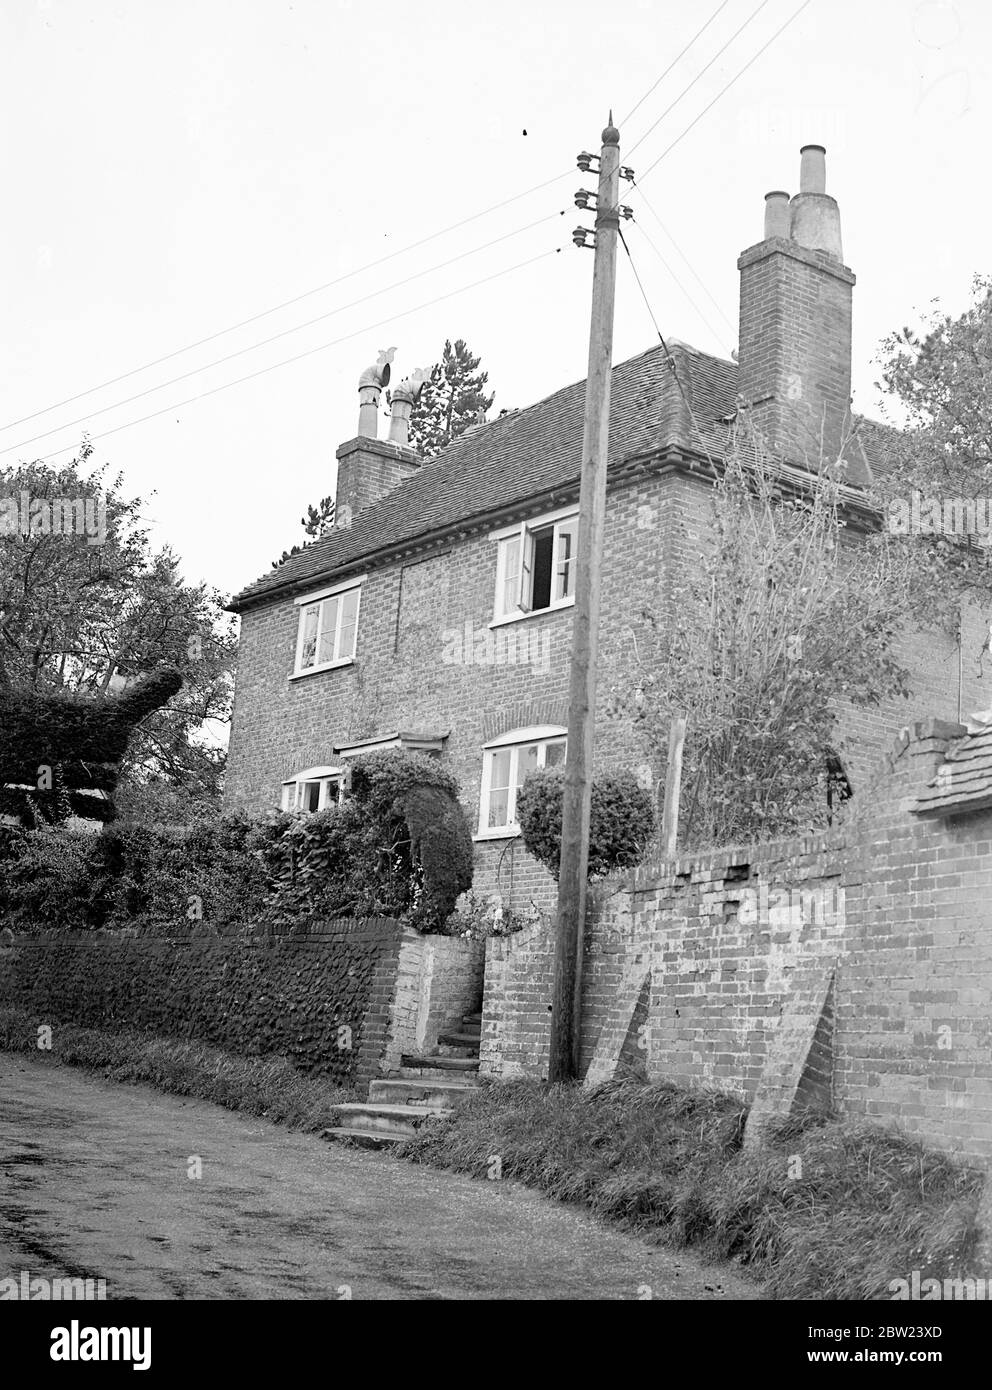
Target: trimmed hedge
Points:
(621, 820)
(62, 745)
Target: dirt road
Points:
(100, 1180)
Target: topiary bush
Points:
(399, 846)
(56, 747)
(621, 820)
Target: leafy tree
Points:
(317, 522)
(782, 621)
(89, 615)
(452, 399)
(939, 382)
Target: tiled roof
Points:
(527, 454)
(963, 781)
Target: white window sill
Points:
(327, 666)
(534, 613)
(507, 832)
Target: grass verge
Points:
(266, 1086)
(828, 1209)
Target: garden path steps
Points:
(423, 1089)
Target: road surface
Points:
(99, 1180)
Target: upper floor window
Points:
(315, 789)
(536, 565)
(506, 763)
(328, 630)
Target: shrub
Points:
(621, 820)
(399, 846)
(46, 878)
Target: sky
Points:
(174, 169)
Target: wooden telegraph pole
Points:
(566, 1004)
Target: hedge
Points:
(400, 846)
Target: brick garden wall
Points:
(869, 949)
(438, 979)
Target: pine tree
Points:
(453, 398)
(317, 522)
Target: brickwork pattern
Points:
(897, 909)
(438, 980)
(795, 345)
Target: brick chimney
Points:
(795, 326)
(369, 467)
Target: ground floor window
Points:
(314, 790)
(506, 763)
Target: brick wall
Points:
(438, 979)
(871, 947)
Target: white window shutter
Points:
(525, 589)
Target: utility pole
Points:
(573, 871)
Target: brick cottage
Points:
(437, 616)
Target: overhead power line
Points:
(275, 337)
(723, 91)
(321, 347)
(286, 303)
(698, 35)
(671, 271)
(692, 270)
(668, 354)
(686, 90)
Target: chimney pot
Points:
(813, 169)
(370, 385)
(776, 214)
(403, 398)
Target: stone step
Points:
(411, 1064)
(475, 1019)
(437, 1094)
(402, 1120)
(364, 1138)
(464, 1039)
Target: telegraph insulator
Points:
(583, 199)
(626, 172)
(584, 161)
(625, 212)
(579, 237)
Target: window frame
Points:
(320, 598)
(324, 776)
(544, 736)
(522, 571)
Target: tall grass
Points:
(266, 1086)
(827, 1209)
